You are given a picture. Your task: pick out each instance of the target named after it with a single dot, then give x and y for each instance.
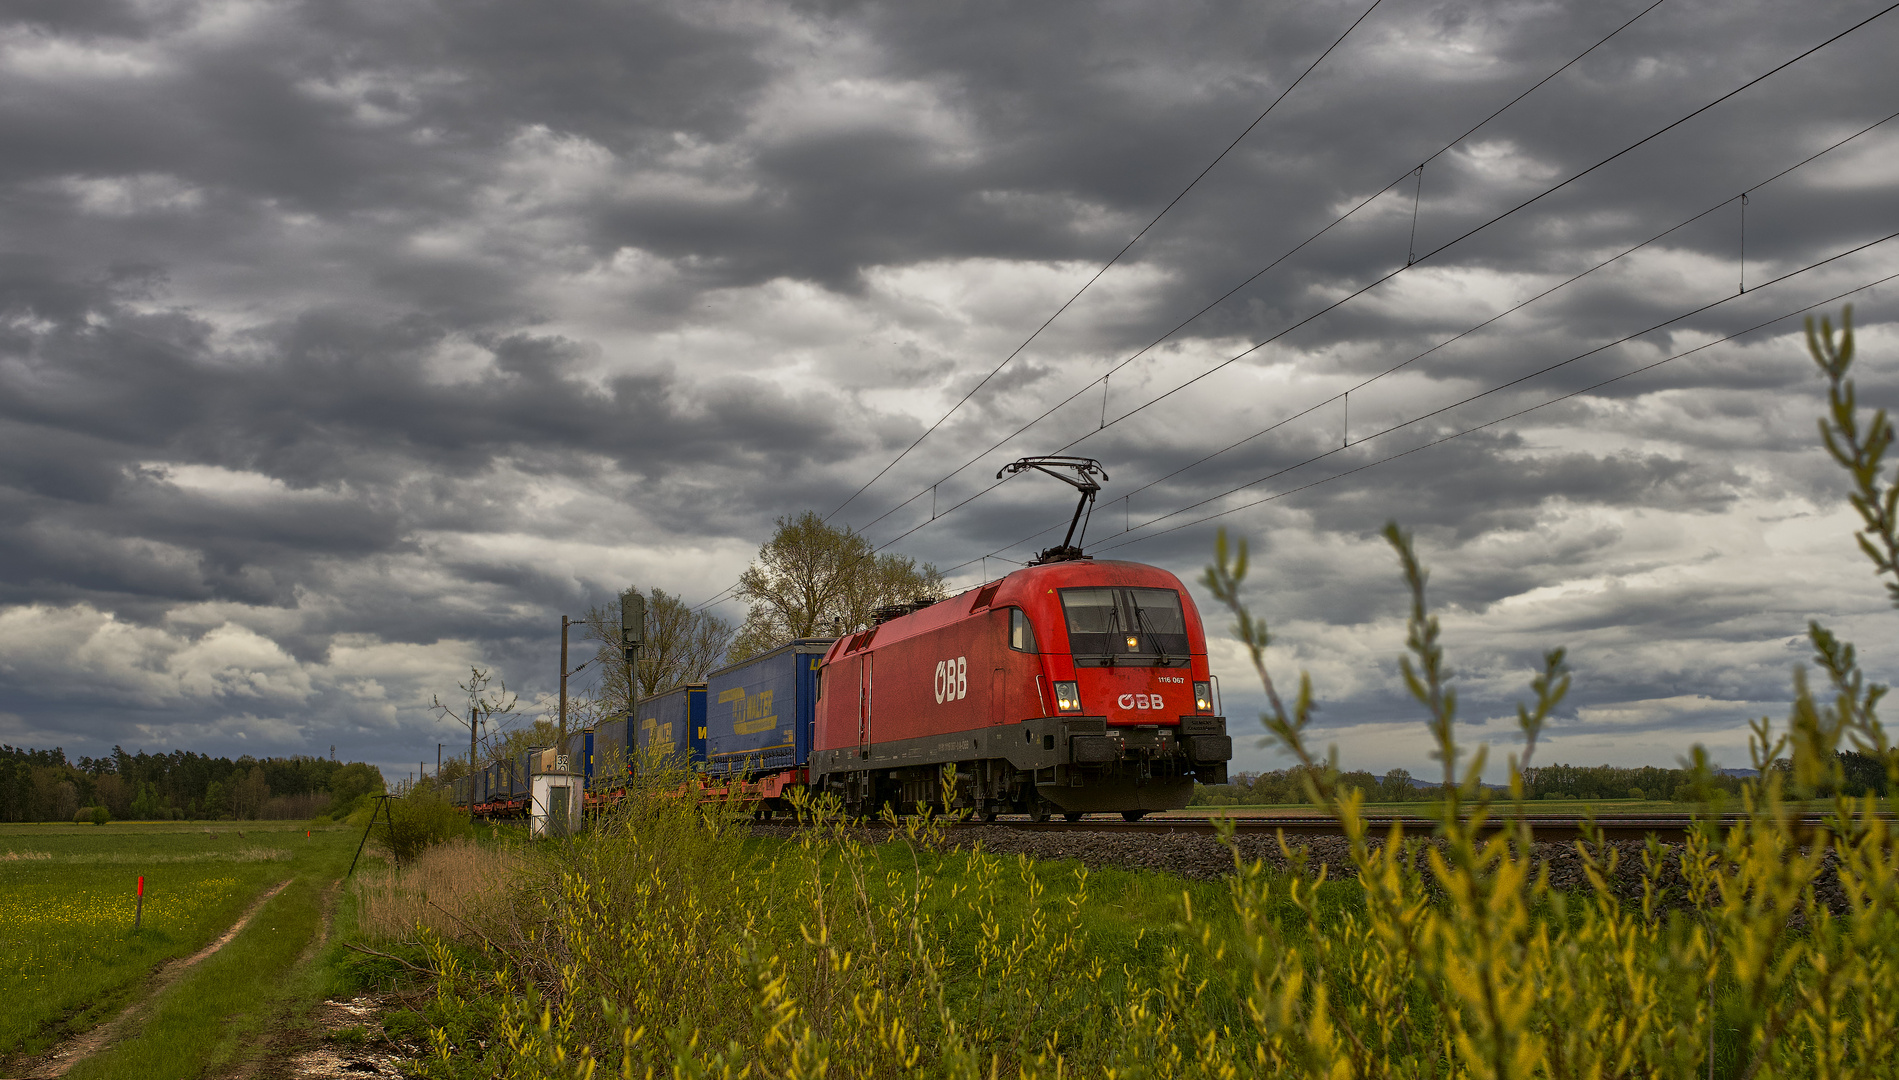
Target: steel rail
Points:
(1667, 827)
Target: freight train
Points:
(1067, 687)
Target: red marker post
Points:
(139, 916)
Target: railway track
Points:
(1666, 827)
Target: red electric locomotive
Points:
(1070, 686)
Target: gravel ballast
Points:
(1204, 858)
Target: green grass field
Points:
(69, 957)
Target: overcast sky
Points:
(346, 345)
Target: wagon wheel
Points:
(1071, 815)
(1133, 815)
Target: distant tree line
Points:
(1286, 787)
(1864, 776)
(42, 785)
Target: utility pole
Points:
(438, 759)
(481, 702)
(632, 636)
(566, 622)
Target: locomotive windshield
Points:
(1108, 626)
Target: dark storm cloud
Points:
(341, 342)
(341, 403)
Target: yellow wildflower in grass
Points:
(67, 933)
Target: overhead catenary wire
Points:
(1290, 252)
(726, 592)
(1377, 281)
(1345, 395)
(1622, 340)
(1500, 217)
(1417, 200)
(1512, 416)
(1625, 339)
(1436, 442)
(1105, 267)
(1743, 271)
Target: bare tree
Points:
(490, 711)
(682, 645)
(813, 580)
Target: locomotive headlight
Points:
(1067, 697)
(1203, 696)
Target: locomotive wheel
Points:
(1038, 811)
(1071, 815)
(1133, 815)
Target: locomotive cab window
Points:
(1110, 626)
(1021, 631)
(1093, 621)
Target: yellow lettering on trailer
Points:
(751, 713)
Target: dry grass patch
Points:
(448, 890)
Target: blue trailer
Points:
(759, 712)
(519, 770)
(671, 727)
(610, 758)
(578, 749)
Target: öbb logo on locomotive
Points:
(952, 679)
(1079, 686)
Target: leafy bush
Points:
(414, 823)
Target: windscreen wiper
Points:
(1140, 619)
(1114, 632)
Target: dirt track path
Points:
(60, 1058)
